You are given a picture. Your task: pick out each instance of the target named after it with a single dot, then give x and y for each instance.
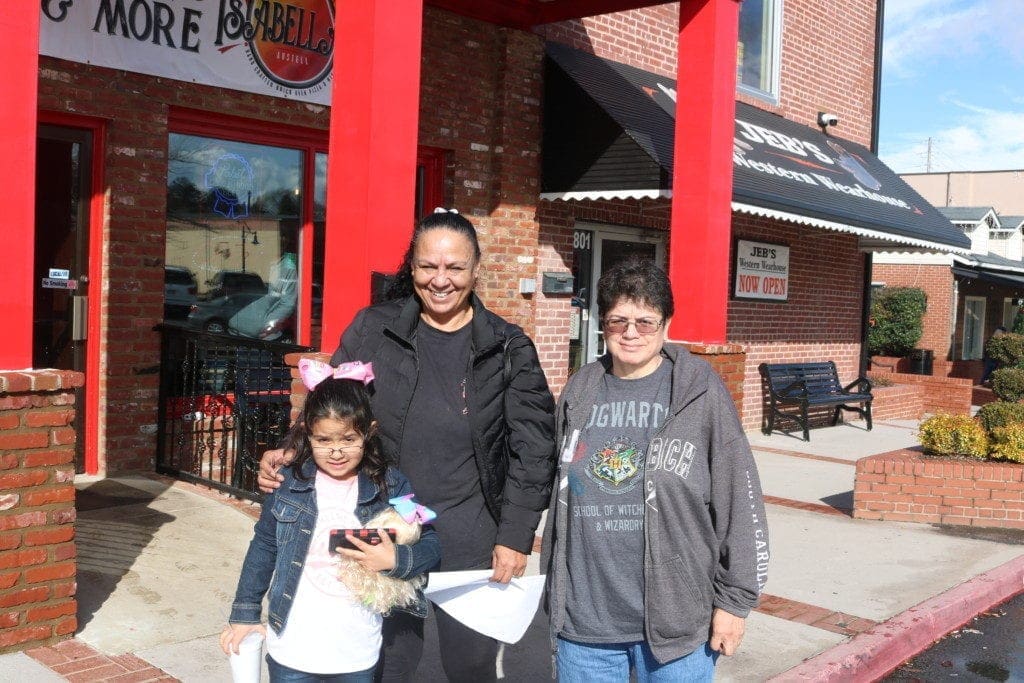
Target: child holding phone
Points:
(338, 479)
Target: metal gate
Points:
(224, 400)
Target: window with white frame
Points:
(974, 326)
(759, 47)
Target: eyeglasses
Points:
(327, 451)
(643, 325)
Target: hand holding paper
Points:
(502, 611)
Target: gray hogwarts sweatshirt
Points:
(705, 532)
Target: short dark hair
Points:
(401, 285)
(637, 279)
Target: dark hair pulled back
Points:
(442, 219)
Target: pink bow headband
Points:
(313, 372)
(412, 512)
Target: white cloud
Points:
(982, 139)
(920, 33)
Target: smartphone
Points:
(339, 537)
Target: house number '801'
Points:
(581, 239)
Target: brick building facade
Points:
(482, 110)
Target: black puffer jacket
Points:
(516, 488)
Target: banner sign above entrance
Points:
(762, 271)
(282, 48)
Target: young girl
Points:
(338, 479)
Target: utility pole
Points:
(928, 158)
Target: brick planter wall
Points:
(898, 402)
(940, 394)
(37, 507)
(907, 486)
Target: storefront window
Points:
(759, 47)
(233, 219)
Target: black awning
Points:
(992, 277)
(609, 131)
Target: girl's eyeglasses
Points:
(620, 325)
(329, 452)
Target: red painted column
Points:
(702, 177)
(371, 174)
(19, 53)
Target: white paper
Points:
(502, 611)
(246, 665)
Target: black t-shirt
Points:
(437, 450)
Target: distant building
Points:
(1002, 190)
(969, 295)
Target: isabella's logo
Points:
(290, 43)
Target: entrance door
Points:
(597, 248)
(61, 274)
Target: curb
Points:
(879, 650)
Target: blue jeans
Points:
(279, 673)
(611, 662)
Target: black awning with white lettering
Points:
(609, 131)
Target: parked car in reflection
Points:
(215, 315)
(180, 290)
(229, 282)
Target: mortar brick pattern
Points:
(37, 583)
(907, 486)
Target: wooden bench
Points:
(812, 385)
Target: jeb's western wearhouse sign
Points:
(266, 47)
(762, 271)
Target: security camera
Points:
(826, 119)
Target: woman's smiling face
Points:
(444, 270)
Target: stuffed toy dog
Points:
(375, 591)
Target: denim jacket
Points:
(277, 553)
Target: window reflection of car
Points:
(229, 282)
(180, 290)
(213, 314)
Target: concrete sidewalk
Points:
(159, 561)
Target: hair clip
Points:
(441, 209)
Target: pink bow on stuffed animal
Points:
(313, 372)
(412, 512)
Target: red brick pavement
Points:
(80, 663)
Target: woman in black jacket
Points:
(465, 410)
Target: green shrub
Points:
(1000, 414)
(1018, 324)
(944, 434)
(1008, 442)
(1007, 350)
(1008, 384)
(896, 320)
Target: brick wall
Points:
(941, 394)
(827, 55)
(907, 486)
(937, 283)
(898, 402)
(37, 513)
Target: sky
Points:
(952, 71)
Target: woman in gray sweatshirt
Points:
(656, 544)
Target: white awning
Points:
(606, 194)
(875, 240)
